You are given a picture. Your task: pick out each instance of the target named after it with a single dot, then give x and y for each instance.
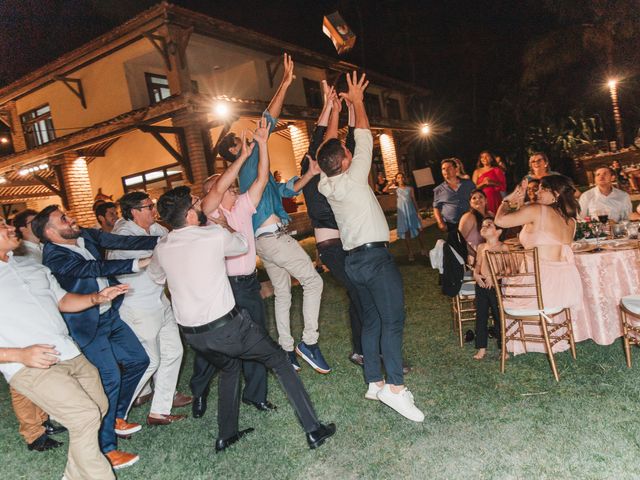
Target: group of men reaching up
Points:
(86, 366)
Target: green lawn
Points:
(479, 423)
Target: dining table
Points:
(608, 273)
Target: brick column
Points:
(78, 188)
(389, 158)
(193, 124)
(299, 141)
(17, 134)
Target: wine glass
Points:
(596, 228)
(603, 218)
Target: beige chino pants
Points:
(159, 335)
(72, 393)
(283, 258)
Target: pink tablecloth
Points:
(606, 277)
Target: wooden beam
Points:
(57, 168)
(24, 196)
(273, 65)
(75, 86)
(182, 159)
(5, 117)
(160, 44)
(21, 183)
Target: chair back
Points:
(516, 276)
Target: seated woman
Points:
(550, 226)
(471, 221)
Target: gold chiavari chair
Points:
(517, 273)
(463, 307)
(630, 307)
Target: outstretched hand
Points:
(245, 148)
(261, 135)
(288, 76)
(355, 94)
(107, 294)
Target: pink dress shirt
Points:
(192, 261)
(239, 218)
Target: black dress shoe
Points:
(43, 443)
(222, 445)
(199, 406)
(51, 429)
(317, 437)
(265, 406)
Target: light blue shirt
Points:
(271, 201)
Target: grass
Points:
(479, 424)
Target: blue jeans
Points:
(115, 346)
(379, 284)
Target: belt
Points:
(282, 230)
(329, 243)
(217, 323)
(368, 246)
(243, 278)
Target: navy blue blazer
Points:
(77, 275)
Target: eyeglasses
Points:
(196, 202)
(151, 206)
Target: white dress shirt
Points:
(617, 203)
(29, 295)
(358, 213)
(32, 250)
(192, 262)
(144, 293)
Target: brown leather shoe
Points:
(120, 459)
(181, 400)
(142, 399)
(166, 420)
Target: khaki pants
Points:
(283, 258)
(158, 333)
(72, 393)
(29, 415)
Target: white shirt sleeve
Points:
(362, 157)
(57, 290)
(234, 243)
(155, 271)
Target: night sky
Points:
(469, 53)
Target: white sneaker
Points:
(372, 391)
(401, 402)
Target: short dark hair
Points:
(606, 167)
(451, 160)
(129, 201)
(101, 210)
(330, 156)
(174, 205)
(20, 220)
(228, 142)
(41, 220)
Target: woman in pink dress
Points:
(548, 225)
(490, 178)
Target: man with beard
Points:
(73, 255)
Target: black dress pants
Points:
(246, 291)
(333, 256)
(242, 339)
(486, 300)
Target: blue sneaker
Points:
(294, 361)
(313, 356)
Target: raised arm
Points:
(275, 107)
(260, 137)
(215, 192)
(350, 141)
(334, 118)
